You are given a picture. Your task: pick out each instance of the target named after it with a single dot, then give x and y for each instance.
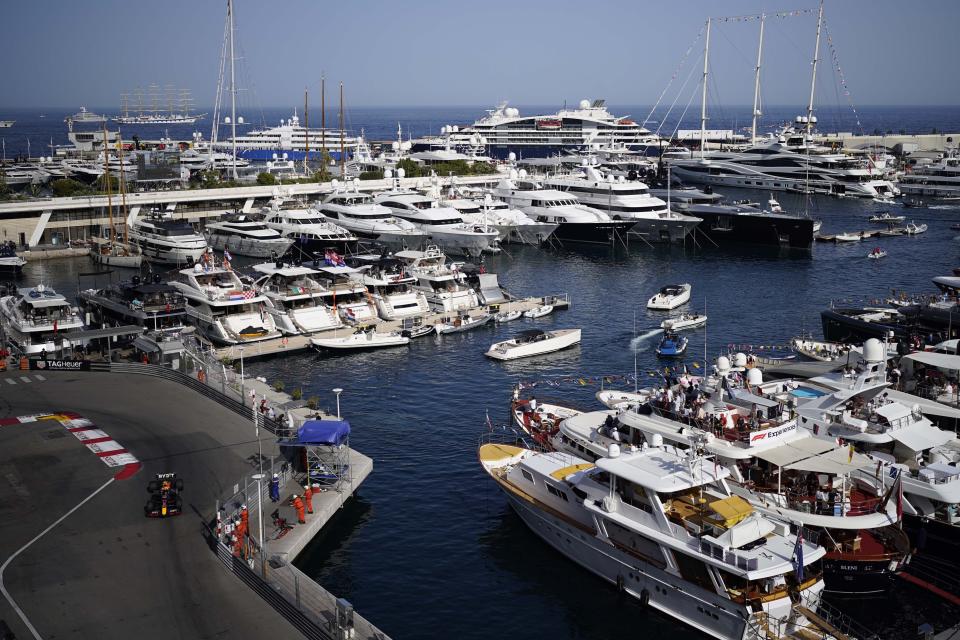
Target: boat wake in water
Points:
(642, 341)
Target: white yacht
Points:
(391, 288)
(575, 222)
(940, 179)
(362, 339)
(623, 200)
(223, 308)
(533, 342)
(358, 213)
(788, 161)
(664, 527)
(293, 139)
(38, 319)
(309, 229)
(246, 237)
(165, 240)
(443, 283)
(196, 159)
(299, 304)
(348, 294)
(504, 131)
(513, 225)
(10, 263)
(443, 226)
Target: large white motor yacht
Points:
(166, 240)
(309, 229)
(623, 200)
(664, 528)
(39, 319)
(513, 225)
(443, 225)
(444, 285)
(391, 287)
(223, 308)
(358, 213)
(299, 304)
(246, 237)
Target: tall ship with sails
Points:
(172, 107)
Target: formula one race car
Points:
(165, 497)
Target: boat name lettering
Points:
(772, 433)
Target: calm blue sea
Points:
(430, 549)
(38, 128)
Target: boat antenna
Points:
(703, 99)
(323, 121)
(343, 157)
(756, 85)
(306, 131)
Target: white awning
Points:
(795, 451)
(835, 462)
(939, 360)
(893, 411)
(921, 437)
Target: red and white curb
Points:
(110, 452)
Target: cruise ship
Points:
(504, 131)
(938, 180)
(293, 139)
(789, 161)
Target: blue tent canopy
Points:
(329, 432)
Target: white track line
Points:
(3, 587)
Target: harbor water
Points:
(430, 548)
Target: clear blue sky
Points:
(67, 53)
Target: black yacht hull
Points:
(311, 246)
(840, 326)
(856, 577)
(592, 232)
(723, 228)
(933, 537)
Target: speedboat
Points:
(10, 262)
(877, 253)
(444, 226)
(298, 302)
(246, 237)
(684, 321)
(913, 229)
(887, 218)
(848, 237)
(620, 516)
(38, 319)
(507, 316)
(461, 323)
(162, 239)
(670, 297)
(534, 343)
(222, 307)
(672, 345)
(362, 338)
(538, 312)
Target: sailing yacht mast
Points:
(306, 131)
(233, 92)
(813, 79)
(756, 85)
(323, 121)
(703, 100)
(123, 189)
(343, 157)
(106, 182)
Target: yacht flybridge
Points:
(246, 237)
(223, 308)
(306, 226)
(664, 527)
(443, 226)
(444, 284)
(390, 286)
(38, 319)
(357, 212)
(298, 302)
(625, 200)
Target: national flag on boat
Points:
(227, 256)
(798, 556)
(249, 294)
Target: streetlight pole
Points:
(338, 391)
(241, 378)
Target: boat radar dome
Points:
(656, 441)
(754, 377)
(401, 173)
(873, 350)
(740, 360)
(723, 364)
(512, 157)
(387, 173)
(584, 104)
(512, 112)
(613, 451)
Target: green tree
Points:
(101, 183)
(66, 187)
(4, 188)
(372, 175)
(266, 179)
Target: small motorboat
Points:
(539, 312)
(670, 297)
(613, 399)
(461, 323)
(418, 331)
(672, 345)
(848, 237)
(534, 343)
(915, 229)
(507, 316)
(818, 349)
(877, 253)
(684, 321)
(362, 338)
(914, 203)
(887, 218)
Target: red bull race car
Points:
(165, 497)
